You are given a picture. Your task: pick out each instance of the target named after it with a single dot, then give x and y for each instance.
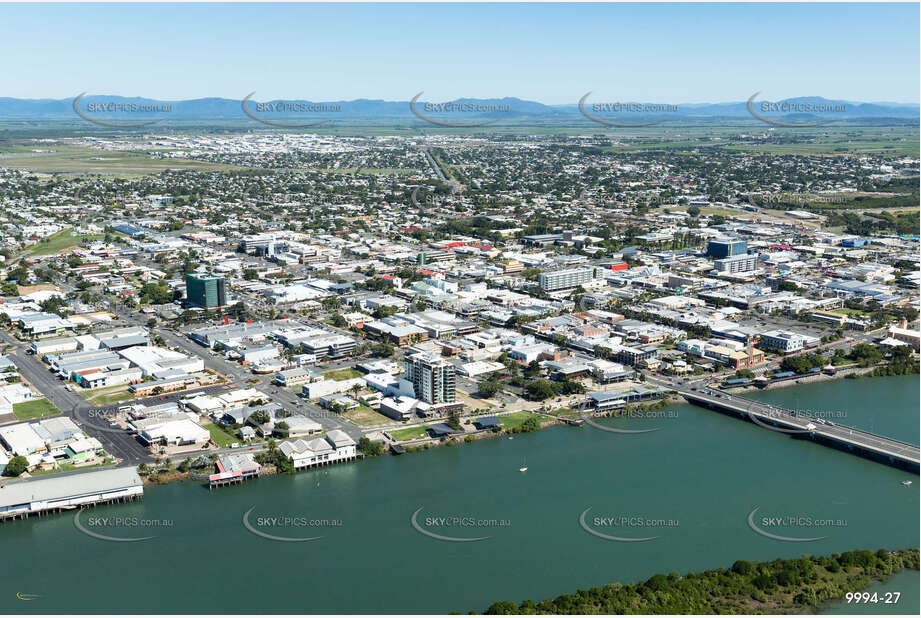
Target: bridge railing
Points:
(806, 417)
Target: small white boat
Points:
(523, 469)
(906, 483)
(511, 437)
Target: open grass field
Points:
(60, 241)
(39, 287)
(106, 400)
(221, 437)
(365, 416)
(342, 374)
(37, 408)
(566, 413)
(513, 420)
(830, 141)
(78, 159)
(851, 313)
(888, 146)
(107, 396)
(410, 433)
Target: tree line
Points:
(797, 585)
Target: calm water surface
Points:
(692, 484)
(905, 582)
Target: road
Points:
(240, 375)
(797, 423)
(119, 444)
(434, 165)
(842, 344)
(243, 378)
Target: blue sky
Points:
(677, 53)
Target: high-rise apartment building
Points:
(742, 263)
(205, 291)
(726, 247)
(553, 280)
(433, 378)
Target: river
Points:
(691, 485)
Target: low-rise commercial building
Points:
(51, 494)
(234, 469)
(334, 447)
(784, 342)
(293, 377)
(329, 387)
(911, 337)
(177, 430)
(401, 408)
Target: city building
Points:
(433, 378)
(233, 469)
(323, 388)
(68, 492)
(741, 263)
(293, 377)
(400, 408)
(175, 430)
(205, 291)
(726, 247)
(553, 280)
(783, 342)
(334, 447)
(906, 335)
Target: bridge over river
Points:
(880, 448)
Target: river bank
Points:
(794, 586)
(693, 482)
(901, 590)
(553, 419)
(847, 371)
(818, 378)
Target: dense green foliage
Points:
(488, 388)
(370, 448)
(273, 456)
(531, 424)
(900, 363)
(875, 223)
(16, 466)
(157, 294)
(802, 363)
(863, 354)
(779, 586)
(384, 350)
(543, 388)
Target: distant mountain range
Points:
(508, 108)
